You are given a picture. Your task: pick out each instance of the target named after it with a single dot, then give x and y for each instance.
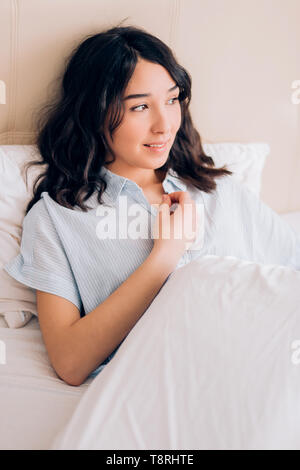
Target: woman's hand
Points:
(175, 232)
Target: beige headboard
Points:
(243, 56)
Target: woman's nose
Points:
(161, 122)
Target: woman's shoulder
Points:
(41, 225)
(38, 213)
(225, 187)
(38, 209)
(229, 193)
(227, 182)
(45, 206)
(231, 187)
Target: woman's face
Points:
(148, 119)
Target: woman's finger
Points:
(180, 197)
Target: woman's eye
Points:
(141, 105)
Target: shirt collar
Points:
(115, 184)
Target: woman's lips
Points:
(157, 149)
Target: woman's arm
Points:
(76, 346)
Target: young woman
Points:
(120, 137)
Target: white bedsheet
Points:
(34, 402)
(214, 363)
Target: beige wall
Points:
(243, 56)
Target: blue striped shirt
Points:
(68, 252)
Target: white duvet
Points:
(214, 363)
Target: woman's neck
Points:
(145, 179)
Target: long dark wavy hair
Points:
(70, 137)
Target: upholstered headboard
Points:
(242, 56)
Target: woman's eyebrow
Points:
(142, 95)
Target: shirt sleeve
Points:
(272, 239)
(42, 263)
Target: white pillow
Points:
(17, 301)
(246, 161)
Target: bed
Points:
(35, 403)
(141, 395)
(223, 377)
(148, 397)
